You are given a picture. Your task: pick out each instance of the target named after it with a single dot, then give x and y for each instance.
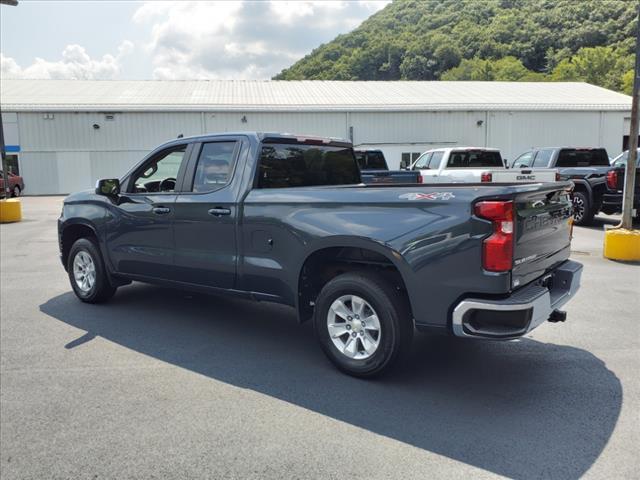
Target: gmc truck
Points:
(474, 164)
(280, 218)
(586, 167)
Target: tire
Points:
(582, 209)
(352, 351)
(85, 264)
(15, 192)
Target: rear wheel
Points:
(15, 192)
(363, 323)
(582, 209)
(87, 273)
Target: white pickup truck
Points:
(475, 165)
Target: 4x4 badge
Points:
(428, 196)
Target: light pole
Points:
(5, 174)
(632, 160)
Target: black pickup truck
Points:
(286, 219)
(612, 199)
(586, 167)
(374, 169)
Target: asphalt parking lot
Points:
(160, 383)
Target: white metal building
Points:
(66, 133)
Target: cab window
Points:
(161, 173)
(523, 160)
(423, 161)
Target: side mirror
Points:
(109, 187)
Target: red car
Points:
(15, 182)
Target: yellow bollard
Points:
(10, 210)
(622, 244)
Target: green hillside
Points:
(516, 40)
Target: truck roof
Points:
(270, 137)
(462, 149)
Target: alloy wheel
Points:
(354, 327)
(84, 271)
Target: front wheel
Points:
(87, 273)
(582, 210)
(15, 193)
(363, 323)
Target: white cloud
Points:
(75, 64)
(242, 39)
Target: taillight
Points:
(486, 177)
(558, 177)
(420, 180)
(497, 250)
(612, 179)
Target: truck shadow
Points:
(520, 409)
(601, 222)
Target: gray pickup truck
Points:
(286, 219)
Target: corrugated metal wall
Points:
(66, 153)
(322, 124)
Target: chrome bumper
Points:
(521, 312)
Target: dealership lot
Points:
(159, 383)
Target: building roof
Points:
(304, 95)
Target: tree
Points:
(508, 69)
(520, 40)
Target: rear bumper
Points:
(522, 311)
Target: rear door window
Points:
(300, 165)
(434, 162)
(542, 158)
(588, 157)
(214, 167)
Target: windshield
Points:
(588, 157)
(621, 159)
(475, 159)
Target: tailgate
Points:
(524, 175)
(543, 232)
(620, 179)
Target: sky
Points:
(166, 40)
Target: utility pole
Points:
(5, 170)
(632, 160)
(5, 174)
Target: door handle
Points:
(161, 210)
(219, 211)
